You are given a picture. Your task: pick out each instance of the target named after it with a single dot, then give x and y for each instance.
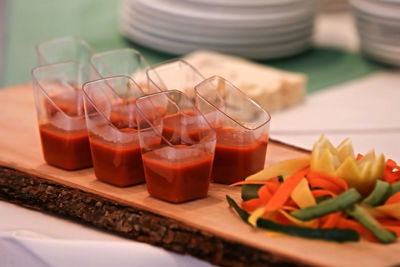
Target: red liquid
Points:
(178, 180)
(70, 102)
(233, 163)
(176, 134)
(65, 149)
(65, 141)
(117, 164)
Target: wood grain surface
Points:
(204, 228)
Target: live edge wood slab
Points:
(206, 228)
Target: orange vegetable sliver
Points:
(331, 220)
(264, 194)
(252, 204)
(338, 181)
(284, 191)
(359, 156)
(316, 182)
(393, 199)
(249, 182)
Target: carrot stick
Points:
(331, 220)
(338, 181)
(322, 192)
(393, 199)
(284, 191)
(273, 186)
(252, 204)
(248, 182)
(359, 156)
(264, 194)
(316, 182)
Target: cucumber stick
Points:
(250, 191)
(341, 202)
(335, 234)
(379, 195)
(364, 218)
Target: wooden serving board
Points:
(204, 228)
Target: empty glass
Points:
(177, 146)
(177, 75)
(60, 112)
(127, 61)
(113, 134)
(241, 126)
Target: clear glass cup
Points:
(177, 146)
(68, 48)
(113, 134)
(61, 116)
(126, 61)
(241, 126)
(176, 75)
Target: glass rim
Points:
(166, 94)
(87, 97)
(44, 92)
(61, 39)
(163, 64)
(266, 113)
(99, 54)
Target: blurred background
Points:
(326, 48)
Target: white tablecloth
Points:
(34, 239)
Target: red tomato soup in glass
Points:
(234, 161)
(117, 158)
(185, 177)
(65, 142)
(176, 133)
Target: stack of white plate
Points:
(258, 29)
(378, 24)
(334, 5)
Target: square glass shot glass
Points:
(61, 116)
(113, 133)
(241, 126)
(177, 75)
(68, 48)
(177, 146)
(126, 61)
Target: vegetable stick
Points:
(316, 182)
(284, 191)
(393, 199)
(322, 192)
(331, 220)
(248, 182)
(252, 204)
(395, 229)
(336, 180)
(264, 194)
